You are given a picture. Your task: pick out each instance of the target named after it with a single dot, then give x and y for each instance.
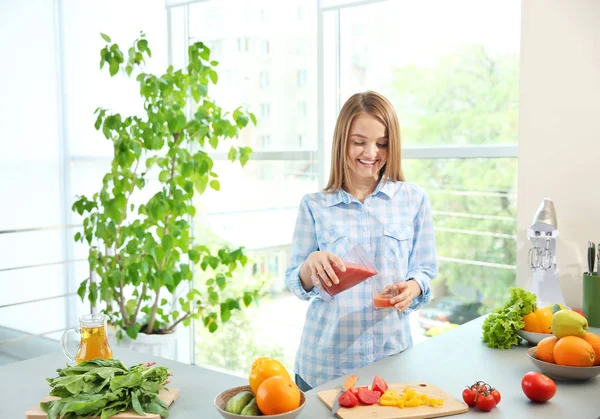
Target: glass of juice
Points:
(358, 268)
(94, 339)
(383, 292)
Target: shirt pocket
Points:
(333, 240)
(397, 242)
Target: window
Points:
(301, 78)
(257, 204)
(432, 66)
(264, 47)
(265, 110)
(265, 141)
(302, 109)
(453, 79)
(243, 44)
(264, 79)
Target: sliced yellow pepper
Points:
(424, 398)
(436, 402)
(400, 403)
(414, 402)
(389, 398)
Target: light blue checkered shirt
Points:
(394, 226)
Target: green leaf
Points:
(105, 37)
(215, 185)
(132, 331)
(177, 124)
(214, 77)
(232, 155)
(167, 243)
(247, 298)
(225, 312)
(221, 281)
(253, 118)
(77, 236)
(82, 289)
(194, 256)
(113, 66)
(93, 289)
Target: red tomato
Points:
(538, 387)
(367, 396)
(379, 384)
(486, 403)
(348, 399)
(354, 390)
(469, 396)
(496, 394)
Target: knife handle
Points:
(350, 381)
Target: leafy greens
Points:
(105, 388)
(500, 327)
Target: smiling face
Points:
(367, 149)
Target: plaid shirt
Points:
(394, 226)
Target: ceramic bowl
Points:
(563, 371)
(531, 337)
(223, 397)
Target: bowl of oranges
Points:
(570, 352)
(271, 392)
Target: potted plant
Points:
(143, 250)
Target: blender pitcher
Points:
(94, 340)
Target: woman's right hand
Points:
(318, 266)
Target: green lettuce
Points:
(500, 327)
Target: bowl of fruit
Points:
(538, 323)
(271, 392)
(571, 352)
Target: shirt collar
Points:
(334, 198)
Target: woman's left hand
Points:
(407, 292)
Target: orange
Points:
(594, 340)
(545, 349)
(574, 352)
(264, 368)
(277, 394)
(532, 324)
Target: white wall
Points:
(559, 131)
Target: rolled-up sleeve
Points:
(304, 243)
(422, 261)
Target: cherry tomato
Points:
(538, 387)
(496, 394)
(469, 396)
(486, 402)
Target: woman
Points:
(366, 202)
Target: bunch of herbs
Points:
(105, 388)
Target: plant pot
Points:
(164, 346)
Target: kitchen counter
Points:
(23, 384)
(450, 361)
(458, 358)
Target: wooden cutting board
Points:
(452, 406)
(168, 397)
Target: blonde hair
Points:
(376, 105)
